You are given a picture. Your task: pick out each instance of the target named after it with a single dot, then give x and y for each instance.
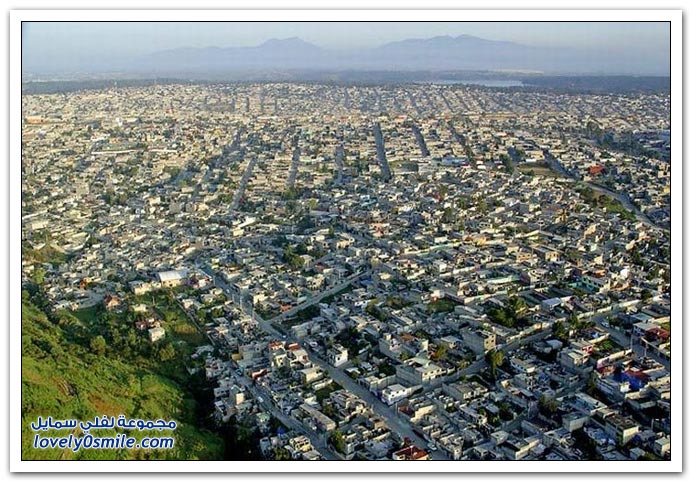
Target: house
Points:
(111, 302)
(479, 341)
(172, 279)
(464, 391)
(419, 371)
(396, 392)
(411, 453)
(622, 429)
(662, 446)
(337, 355)
(309, 375)
(157, 333)
(574, 360)
(140, 287)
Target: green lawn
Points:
(176, 322)
(323, 393)
(88, 316)
(443, 305)
(47, 254)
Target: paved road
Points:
(625, 341)
(621, 197)
(243, 184)
(394, 422)
(479, 365)
(387, 413)
(381, 153)
(319, 297)
(293, 172)
(319, 441)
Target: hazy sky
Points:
(53, 40)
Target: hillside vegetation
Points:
(68, 372)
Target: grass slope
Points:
(62, 378)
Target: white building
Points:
(155, 334)
(337, 355)
(396, 392)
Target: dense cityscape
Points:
(365, 272)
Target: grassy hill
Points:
(65, 376)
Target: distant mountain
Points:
(275, 58)
(272, 54)
(446, 52)
(464, 52)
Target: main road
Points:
(624, 199)
(387, 413)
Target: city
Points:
(372, 272)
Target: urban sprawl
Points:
(404, 272)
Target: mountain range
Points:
(441, 53)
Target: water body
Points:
(481, 82)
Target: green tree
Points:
(591, 384)
(495, 358)
(167, 353)
(548, 406)
(440, 352)
(282, 454)
(448, 215)
(38, 276)
(560, 331)
(98, 345)
(518, 307)
(336, 438)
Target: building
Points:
(171, 279)
(480, 341)
(622, 429)
(574, 360)
(419, 371)
(396, 392)
(411, 453)
(309, 375)
(337, 355)
(464, 391)
(156, 333)
(662, 446)
(111, 302)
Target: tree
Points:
(65, 318)
(38, 276)
(517, 305)
(98, 345)
(440, 352)
(591, 384)
(495, 358)
(559, 331)
(282, 454)
(547, 406)
(167, 353)
(448, 215)
(336, 438)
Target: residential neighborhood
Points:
(377, 272)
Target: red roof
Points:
(411, 453)
(638, 375)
